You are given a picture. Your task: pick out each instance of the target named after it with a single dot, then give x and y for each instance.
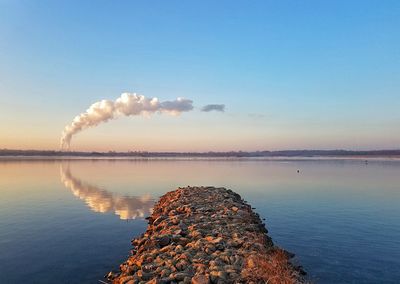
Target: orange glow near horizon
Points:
(194, 134)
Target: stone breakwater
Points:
(205, 235)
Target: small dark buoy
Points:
(298, 171)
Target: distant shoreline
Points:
(6, 154)
(295, 154)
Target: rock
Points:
(159, 220)
(220, 246)
(126, 279)
(180, 276)
(153, 281)
(185, 255)
(222, 275)
(178, 248)
(144, 275)
(165, 249)
(217, 240)
(181, 265)
(165, 280)
(196, 234)
(110, 275)
(236, 243)
(216, 276)
(200, 279)
(183, 241)
(251, 263)
(164, 241)
(165, 272)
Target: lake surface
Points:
(72, 221)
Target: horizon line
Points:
(256, 153)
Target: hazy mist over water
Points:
(73, 220)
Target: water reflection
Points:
(102, 201)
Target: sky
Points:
(291, 74)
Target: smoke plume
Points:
(128, 104)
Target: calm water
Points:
(72, 221)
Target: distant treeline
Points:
(284, 153)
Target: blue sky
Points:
(292, 74)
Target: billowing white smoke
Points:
(127, 104)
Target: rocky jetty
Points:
(205, 235)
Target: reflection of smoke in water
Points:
(102, 201)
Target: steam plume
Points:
(128, 104)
